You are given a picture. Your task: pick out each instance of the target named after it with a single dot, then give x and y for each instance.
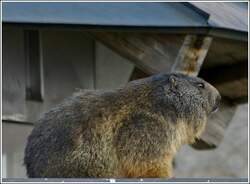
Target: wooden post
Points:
(191, 55)
(34, 67)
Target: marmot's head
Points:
(180, 98)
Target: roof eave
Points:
(210, 31)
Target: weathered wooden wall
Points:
(69, 61)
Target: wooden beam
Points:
(192, 54)
(152, 53)
(236, 90)
(34, 67)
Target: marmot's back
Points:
(64, 138)
(51, 139)
(134, 131)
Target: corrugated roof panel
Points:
(108, 14)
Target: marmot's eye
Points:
(200, 85)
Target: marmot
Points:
(134, 131)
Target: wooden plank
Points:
(13, 83)
(111, 70)
(34, 66)
(152, 53)
(68, 65)
(191, 55)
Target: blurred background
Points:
(52, 49)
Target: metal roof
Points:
(226, 15)
(108, 14)
(162, 14)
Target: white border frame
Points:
(112, 180)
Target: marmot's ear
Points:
(173, 80)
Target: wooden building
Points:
(52, 49)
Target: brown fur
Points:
(134, 131)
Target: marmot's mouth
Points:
(215, 109)
(216, 106)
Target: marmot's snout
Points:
(215, 100)
(217, 104)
